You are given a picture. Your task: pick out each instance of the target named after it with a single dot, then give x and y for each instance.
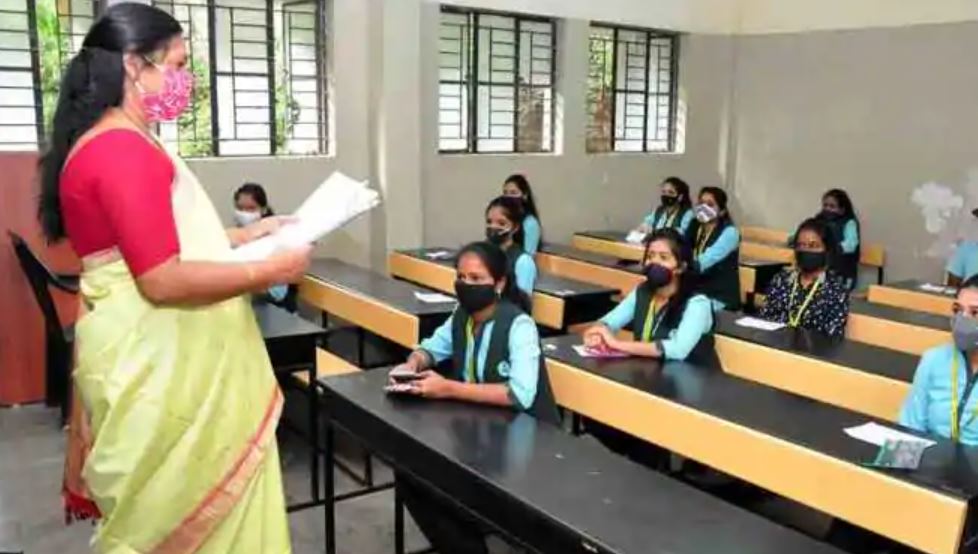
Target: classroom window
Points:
(496, 82)
(260, 78)
(37, 38)
(632, 90)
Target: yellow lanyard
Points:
(793, 321)
(470, 362)
(649, 329)
(701, 240)
(955, 423)
(669, 218)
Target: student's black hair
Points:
(683, 253)
(92, 83)
(497, 264)
(817, 226)
(969, 283)
(257, 192)
(720, 196)
(521, 183)
(513, 210)
(842, 198)
(682, 188)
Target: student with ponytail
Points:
(504, 229)
(176, 403)
(495, 359)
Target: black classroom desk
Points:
(637, 391)
(540, 486)
(582, 302)
(900, 315)
(908, 294)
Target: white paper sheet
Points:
(874, 433)
(335, 202)
(438, 255)
(937, 289)
(586, 352)
(635, 237)
(762, 324)
(433, 298)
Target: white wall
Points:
(791, 16)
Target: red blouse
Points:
(116, 192)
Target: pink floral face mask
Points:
(173, 97)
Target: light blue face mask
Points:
(243, 219)
(965, 332)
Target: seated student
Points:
(812, 296)
(675, 210)
(251, 205)
(668, 320)
(716, 249)
(503, 216)
(943, 401)
(964, 263)
(839, 215)
(516, 186)
(496, 360)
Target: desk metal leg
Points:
(314, 432)
(329, 506)
(361, 346)
(398, 519)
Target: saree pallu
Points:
(182, 405)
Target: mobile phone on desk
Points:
(401, 375)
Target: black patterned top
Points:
(827, 311)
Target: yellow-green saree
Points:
(182, 405)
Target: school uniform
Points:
(504, 350)
(717, 262)
(691, 339)
(821, 306)
(523, 268)
(662, 218)
(532, 233)
(943, 390)
(845, 231)
(964, 263)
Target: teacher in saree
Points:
(172, 434)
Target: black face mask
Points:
(810, 261)
(657, 275)
(497, 236)
(473, 298)
(829, 215)
(669, 201)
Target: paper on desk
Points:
(433, 298)
(585, 352)
(874, 433)
(635, 237)
(438, 255)
(756, 323)
(334, 203)
(937, 288)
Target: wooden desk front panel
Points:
(623, 281)
(620, 250)
(920, 301)
(364, 312)
(894, 335)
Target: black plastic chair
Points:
(59, 341)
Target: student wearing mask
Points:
(675, 210)
(943, 401)
(716, 249)
(812, 296)
(839, 215)
(516, 186)
(503, 228)
(251, 205)
(964, 263)
(496, 360)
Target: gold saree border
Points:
(195, 528)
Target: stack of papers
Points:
(586, 352)
(762, 324)
(335, 202)
(874, 433)
(433, 298)
(635, 237)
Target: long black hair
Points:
(685, 203)
(513, 210)
(683, 252)
(820, 228)
(529, 204)
(720, 196)
(257, 192)
(93, 83)
(842, 199)
(497, 263)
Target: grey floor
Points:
(31, 519)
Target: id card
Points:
(898, 454)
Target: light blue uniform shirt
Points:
(531, 235)
(278, 292)
(521, 371)
(526, 273)
(928, 408)
(684, 220)
(964, 262)
(726, 243)
(697, 321)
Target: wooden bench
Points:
(327, 365)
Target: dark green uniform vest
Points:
(722, 281)
(660, 215)
(846, 265)
(544, 407)
(702, 354)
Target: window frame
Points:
(472, 82)
(650, 33)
